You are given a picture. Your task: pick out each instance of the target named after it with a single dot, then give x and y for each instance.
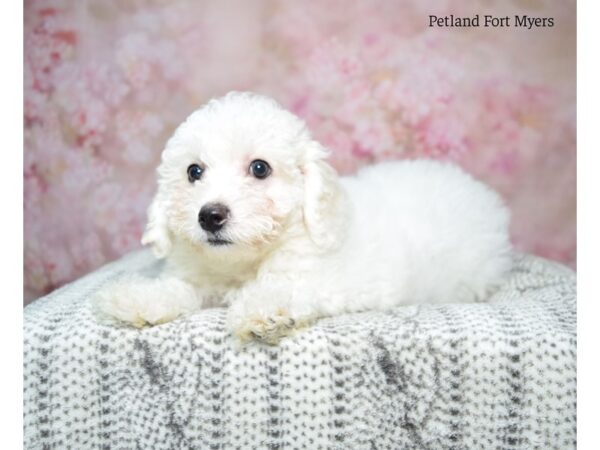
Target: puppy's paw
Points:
(268, 328)
(140, 301)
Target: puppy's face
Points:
(238, 175)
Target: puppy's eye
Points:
(260, 169)
(194, 172)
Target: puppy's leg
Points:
(269, 310)
(140, 301)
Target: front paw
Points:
(268, 328)
(140, 302)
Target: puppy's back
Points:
(445, 232)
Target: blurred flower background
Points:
(107, 82)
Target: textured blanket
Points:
(492, 375)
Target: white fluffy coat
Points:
(304, 243)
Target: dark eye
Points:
(260, 169)
(194, 172)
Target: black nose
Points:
(213, 216)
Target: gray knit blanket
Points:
(496, 375)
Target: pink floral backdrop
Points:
(107, 81)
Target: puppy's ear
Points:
(157, 233)
(325, 203)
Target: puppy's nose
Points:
(213, 216)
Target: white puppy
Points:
(249, 214)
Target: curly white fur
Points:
(305, 243)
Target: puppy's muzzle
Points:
(213, 217)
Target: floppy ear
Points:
(325, 204)
(157, 234)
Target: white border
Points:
(588, 223)
(11, 233)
